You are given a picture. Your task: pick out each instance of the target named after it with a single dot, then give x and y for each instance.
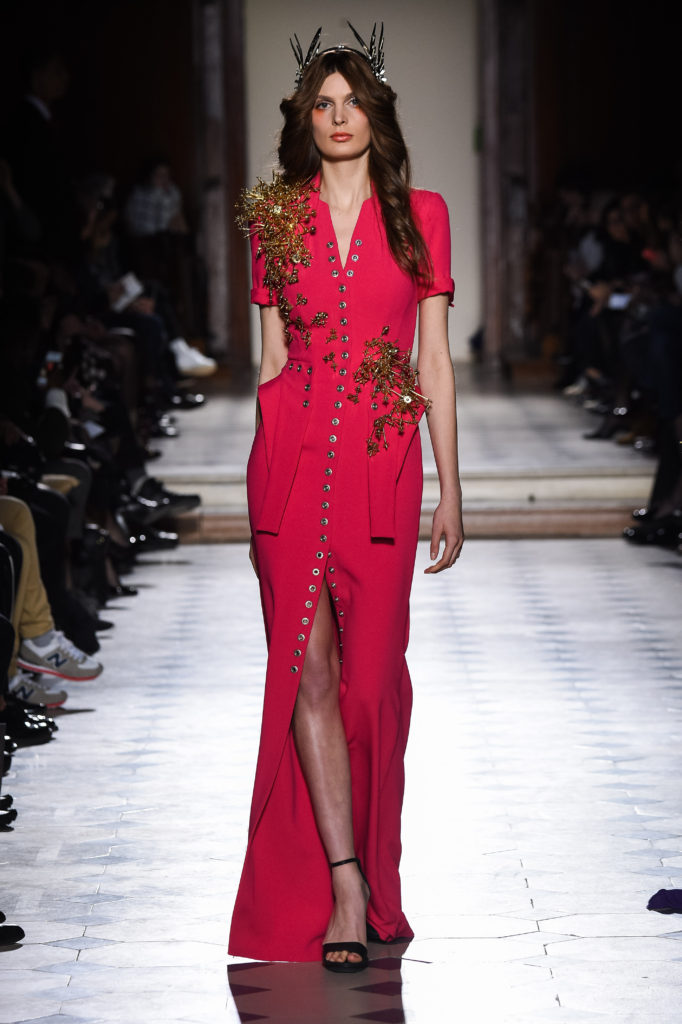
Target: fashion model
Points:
(344, 254)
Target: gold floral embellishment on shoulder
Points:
(280, 215)
(391, 378)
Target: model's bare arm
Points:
(273, 347)
(437, 382)
(273, 357)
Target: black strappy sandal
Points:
(346, 967)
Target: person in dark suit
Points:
(37, 158)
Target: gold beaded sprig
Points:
(280, 215)
(392, 379)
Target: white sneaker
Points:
(190, 361)
(26, 688)
(578, 388)
(58, 658)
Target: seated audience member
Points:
(105, 282)
(161, 245)
(39, 647)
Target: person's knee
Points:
(320, 676)
(15, 516)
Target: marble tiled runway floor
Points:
(543, 805)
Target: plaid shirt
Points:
(150, 210)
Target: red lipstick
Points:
(341, 136)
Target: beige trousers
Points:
(32, 614)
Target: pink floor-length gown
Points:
(323, 509)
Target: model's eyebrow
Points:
(330, 99)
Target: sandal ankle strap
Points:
(340, 863)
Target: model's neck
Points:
(345, 183)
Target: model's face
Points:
(340, 128)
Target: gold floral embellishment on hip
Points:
(391, 378)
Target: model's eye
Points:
(354, 102)
(321, 104)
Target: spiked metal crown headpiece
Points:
(372, 53)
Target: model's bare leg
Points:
(323, 753)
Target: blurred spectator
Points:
(622, 337)
(161, 244)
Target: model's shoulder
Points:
(426, 202)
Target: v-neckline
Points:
(344, 261)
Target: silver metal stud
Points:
(337, 405)
(335, 273)
(324, 522)
(342, 373)
(326, 487)
(355, 257)
(301, 637)
(297, 653)
(349, 273)
(309, 604)
(325, 504)
(335, 421)
(332, 437)
(342, 305)
(319, 554)
(330, 455)
(342, 287)
(305, 621)
(340, 387)
(358, 241)
(343, 321)
(344, 355)
(316, 572)
(312, 588)
(344, 337)
(294, 668)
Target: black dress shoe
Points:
(10, 744)
(664, 533)
(10, 934)
(150, 454)
(6, 801)
(7, 817)
(102, 624)
(187, 400)
(155, 540)
(164, 430)
(122, 590)
(26, 729)
(153, 490)
(642, 515)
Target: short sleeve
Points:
(432, 217)
(260, 293)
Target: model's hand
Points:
(447, 526)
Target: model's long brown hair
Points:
(389, 163)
